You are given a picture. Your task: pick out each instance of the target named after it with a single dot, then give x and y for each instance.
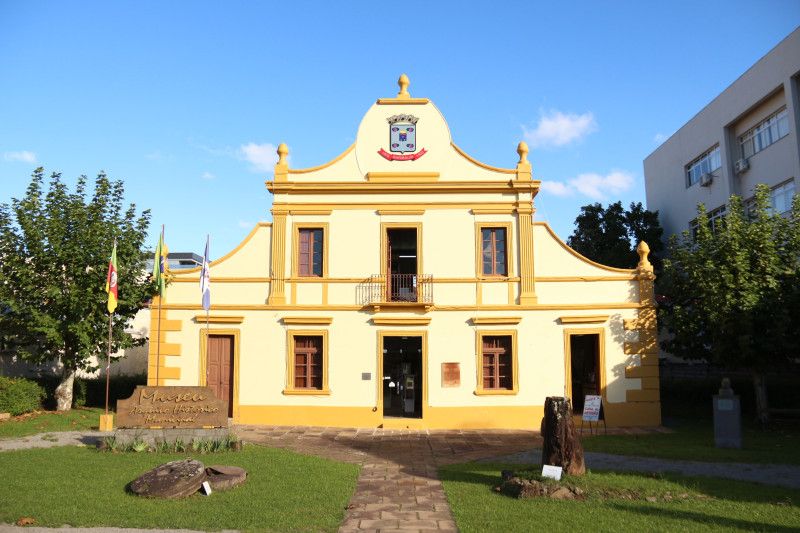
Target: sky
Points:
(186, 101)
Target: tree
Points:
(731, 296)
(609, 236)
(54, 253)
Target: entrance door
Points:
(402, 377)
(219, 373)
(401, 268)
(584, 368)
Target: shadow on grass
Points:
(488, 475)
(699, 517)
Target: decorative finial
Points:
(283, 151)
(644, 250)
(522, 150)
(403, 83)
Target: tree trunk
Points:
(561, 445)
(64, 390)
(762, 408)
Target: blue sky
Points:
(185, 101)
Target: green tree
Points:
(610, 236)
(54, 252)
(732, 296)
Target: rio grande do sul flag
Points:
(111, 280)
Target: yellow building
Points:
(405, 285)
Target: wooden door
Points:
(219, 374)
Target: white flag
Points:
(205, 279)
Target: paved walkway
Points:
(55, 438)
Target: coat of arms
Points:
(402, 138)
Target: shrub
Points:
(18, 396)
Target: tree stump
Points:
(561, 445)
(225, 477)
(176, 479)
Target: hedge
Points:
(91, 392)
(19, 396)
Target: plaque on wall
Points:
(451, 374)
(172, 407)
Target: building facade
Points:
(747, 135)
(405, 284)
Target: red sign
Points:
(403, 157)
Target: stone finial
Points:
(403, 83)
(522, 150)
(283, 152)
(644, 264)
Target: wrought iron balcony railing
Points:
(396, 288)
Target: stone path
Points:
(398, 488)
(55, 438)
(768, 474)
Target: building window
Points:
(716, 218)
(765, 133)
(494, 252)
(497, 363)
(307, 366)
(706, 163)
(781, 198)
(310, 250)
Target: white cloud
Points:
(208, 176)
(24, 156)
(245, 224)
(262, 157)
(558, 129)
(659, 138)
(591, 184)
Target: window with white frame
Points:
(715, 219)
(765, 133)
(781, 198)
(706, 163)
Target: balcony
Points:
(402, 291)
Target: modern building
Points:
(405, 284)
(747, 135)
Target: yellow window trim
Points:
(290, 389)
(203, 363)
(318, 320)
(568, 358)
(385, 245)
(218, 319)
(591, 319)
(296, 227)
(401, 212)
(401, 321)
(510, 255)
(479, 390)
(496, 320)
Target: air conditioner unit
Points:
(706, 179)
(741, 165)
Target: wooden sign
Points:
(592, 408)
(172, 407)
(451, 374)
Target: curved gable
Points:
(555, 259)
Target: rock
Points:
(225, 477)
(561, 446)
(5, 416)
(176, 479)
(562, 493)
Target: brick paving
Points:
(398, 488)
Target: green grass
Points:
(82, 487)
(709, 505)
(694, 440)
(77, 419)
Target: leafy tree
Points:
(610, 236)
(54, 252)
(732, 296)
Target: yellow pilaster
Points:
(277, 295)
(527, 294)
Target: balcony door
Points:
(401, 264)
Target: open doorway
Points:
(401, 262)
(585, 368)
(402, 376)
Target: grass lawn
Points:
(77, 419)
(707, 504)
(83, 487)
(694, 440)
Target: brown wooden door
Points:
(219, 374)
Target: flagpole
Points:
(160, 297)
(208, 309)
(108, 357)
